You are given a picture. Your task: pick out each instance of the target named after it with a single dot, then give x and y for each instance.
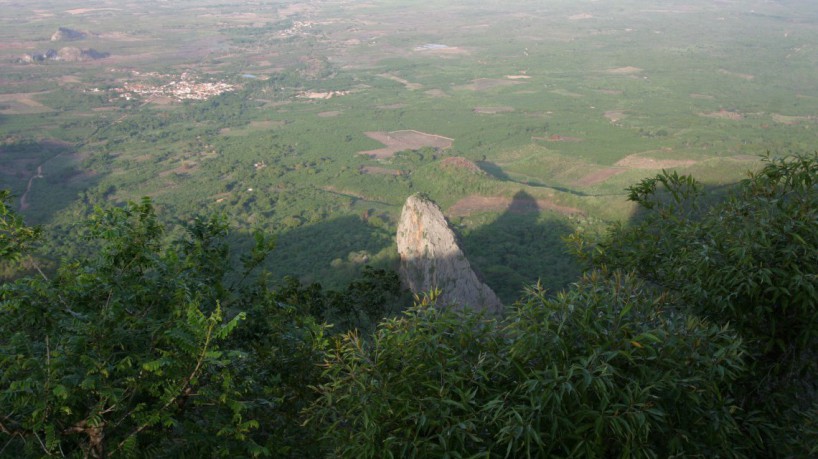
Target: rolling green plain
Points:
(524, 120)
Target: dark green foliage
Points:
(15, 237)
(606, 369)
(374, 295)
(281, 345)
(128, 351)
(750, 260)
(519, 249)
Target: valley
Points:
(315, 120)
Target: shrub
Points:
(748, 259)
(606, 369)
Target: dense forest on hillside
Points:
(691, 333)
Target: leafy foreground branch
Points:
(132, 351)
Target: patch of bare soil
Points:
(121, 36)
(17, 45)
(636, 161)
(396, 141)
(380, 170)
(744, 158)
(600, 176)
(473, 204)
(447, 51)
(493, 110)
(77, 11)
(162, 101)
(267, 124)
(330, 114)
(66, 79)
(702, 96)
(143, 158)
(220, 197)
(790, 120)
(724, 114)
(518, 77)
(610, 92)
(43, 13)
(321, 95)
(624, 70)
(485, 84)
(615, 115)
(557, 138)
(580, 16)
(407, 84)
(458, 162)
(566, 93)
(22, 104)
(184, 168)
(435, 93)
(743, 76)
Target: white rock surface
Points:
(431, 259)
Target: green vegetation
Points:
(748, 260)
(551, 111)
(566, 102)
(146, 348)
(608, 369)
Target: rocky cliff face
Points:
(432, 259)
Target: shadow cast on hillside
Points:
(331, 253)
(710, 194)
(523, 245)
(497, 172)
(45, 176)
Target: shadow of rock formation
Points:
(521, 247)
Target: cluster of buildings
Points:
(186, 88)
(298, 28)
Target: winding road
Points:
(24, 197)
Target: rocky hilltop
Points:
(66, 54)
(66, 34)
(431, 258)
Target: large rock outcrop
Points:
(66, 54)
(432, 259)
(66, 34)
